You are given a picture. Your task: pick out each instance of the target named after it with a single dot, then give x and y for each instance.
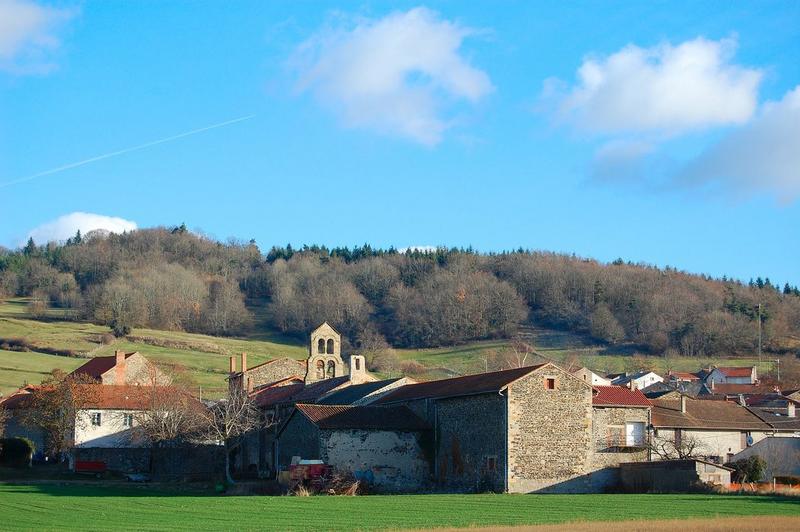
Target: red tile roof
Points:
(98, 365)
(619, 396)
(272, 395)
(736, 371)
(458, 386)
(362, 417)
(99, 396)
(685, 375)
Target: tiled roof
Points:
(735, 389)
(355, 392)
(685, 375)
(458, 386)
(362, 417)
(777, 418)
(98, 365)
(700, 414)
(275, 394)
(619, 396)
(736, 371)
(311, 392)
(19, 398)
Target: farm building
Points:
(672, 475)
(384, 444)
(782, 457)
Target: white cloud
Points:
(66, 226)
(667, 89)
(396, 75)
(620, 160)
(28, 34)
(763, 155)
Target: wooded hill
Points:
(174, 280)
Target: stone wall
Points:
(549, 433)
(607, 424)
(470, 441)
(274, 371)
(138, 371)
(389, 460)
(300, 438)
(201, 462)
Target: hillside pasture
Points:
(86, 507)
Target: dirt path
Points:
(723, 524)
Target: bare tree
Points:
(53, 407)
(229, 420)
(676, 446)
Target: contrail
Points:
(126, 150)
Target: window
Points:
(331, 369)
(320, 369)
(550, 383)
(358, 363)
(321, 346)
(491, 463)
(634, 434)
(127, 420)
(330, 346)
(96, 419)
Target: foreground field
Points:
(203, 359)
(92, 508)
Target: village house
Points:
(592, 378)
(638, 379)
(711, 429)
(384, 445)
(620, 420)
(123, 369)
(732, 375)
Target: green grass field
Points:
(204, 359)
(51, 507)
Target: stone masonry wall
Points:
(550, 433)
(300, 438)
(471, 442)
(274, 371)
(138, 371)
(607, 422)
(389, 460)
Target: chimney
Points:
(244, 362)
(790, 409)
(249, 385)
(683, 404)
(741, 400)
(232, 361)
(119, 367)
(357, 367)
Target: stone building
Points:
(123, 369)
(264, 374)
(382, 444)
(324, 355)
(620, 418)
(519, 430)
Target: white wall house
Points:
(105, 427)
(640, 379)
(590, 377)
(733, 375)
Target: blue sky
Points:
(666, 133)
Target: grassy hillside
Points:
(203, 360)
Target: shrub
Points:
(412, 367)
(16, 452)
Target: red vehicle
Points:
(95, 468)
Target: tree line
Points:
(176, 280)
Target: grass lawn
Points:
(49, 507)
(204, 359)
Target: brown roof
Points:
(98, 365)
(362, 417)
(272, 395)
(619, 396)
(700, 414)
(684, 375)
(458, 386)
(736, 371)
(736, 389)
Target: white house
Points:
(639, 380)
(109, 417)
(733, 375)
(590, 377)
